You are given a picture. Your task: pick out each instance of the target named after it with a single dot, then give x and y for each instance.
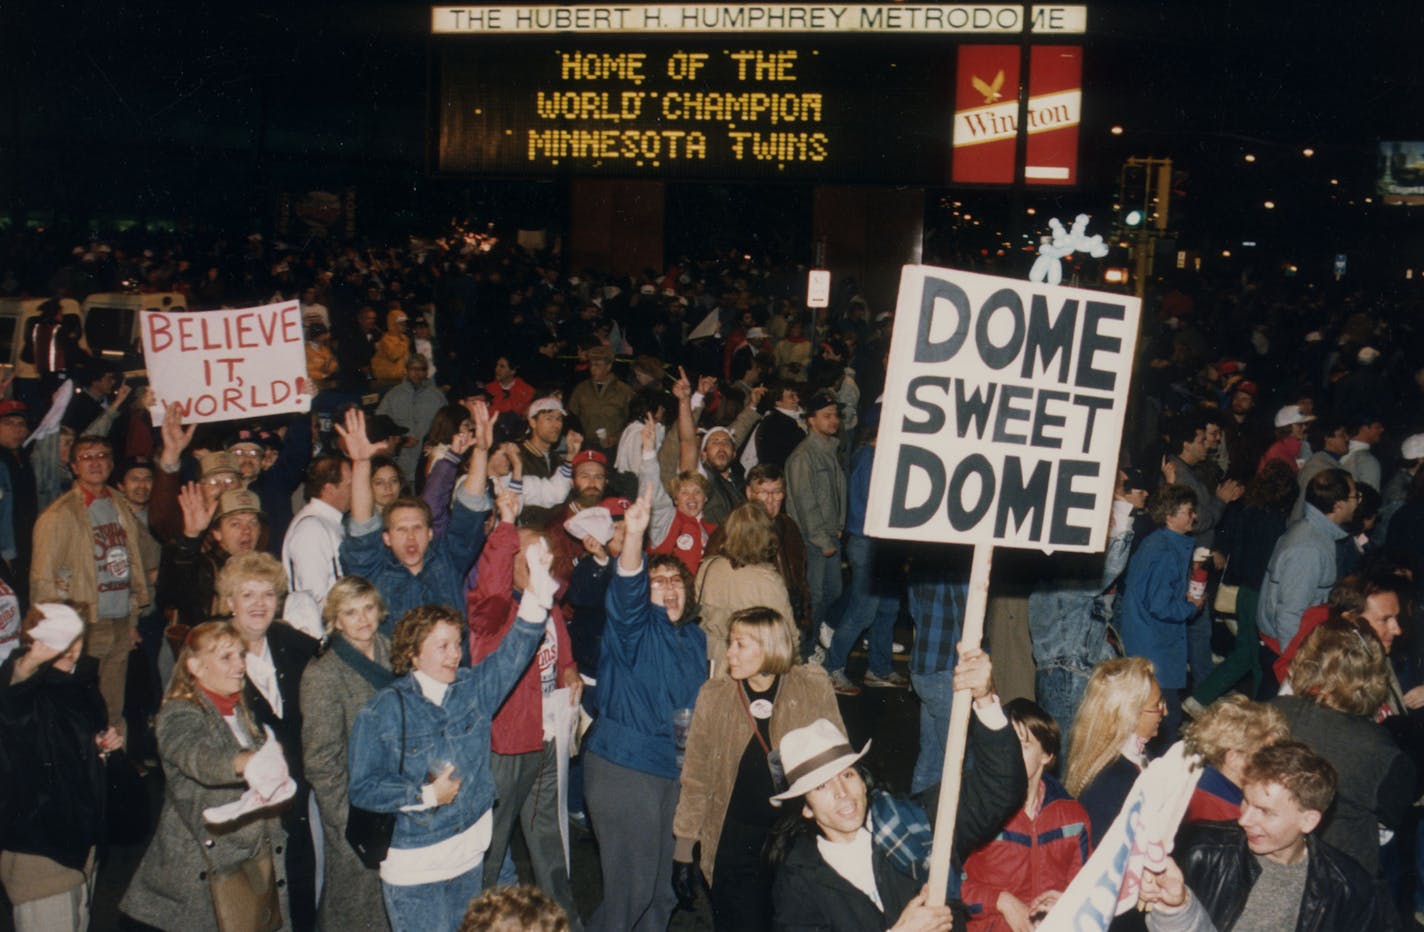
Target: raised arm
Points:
(361, 450)
(686, 429)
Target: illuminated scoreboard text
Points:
(720, 108)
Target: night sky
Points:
(142, 107)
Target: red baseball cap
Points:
(588, 456)
(11, 406)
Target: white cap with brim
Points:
(1413, 447)
(1290, 414)
(812, 755)
(59, 626)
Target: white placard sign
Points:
(1003, 412)
(227, 365)
(818, 288)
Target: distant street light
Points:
(1250, 157)
(1116, 130)
(1308, 152)
(1270, 205)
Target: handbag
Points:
(367, 832)
(1226, 596)
(245, 895)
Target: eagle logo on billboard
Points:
(992, 91)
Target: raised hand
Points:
(573, 441)
(353, 435)
(197, 510)
(508, 504)
(175, 436)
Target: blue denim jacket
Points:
(441, 580)
(1068, 618)
(458, 731)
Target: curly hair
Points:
(1235, 723)
(412, 630)
(1342, 668)
(1112, 703)
(1274, 488)
(689, 598)
(523, 908)
(255, 566)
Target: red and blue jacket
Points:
(1028, 857)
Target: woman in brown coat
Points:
(741, 575)
(729, 774)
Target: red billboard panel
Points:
(986, 111)
(1055, 105)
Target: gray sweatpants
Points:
(526, 789)
(632, 817)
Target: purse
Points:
(245, 895)
(367, 832)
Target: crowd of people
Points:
(557, 550)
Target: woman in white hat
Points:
(53, 728)
(833, 874)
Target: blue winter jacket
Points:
(1155, 610)
(456, 731)
(648, 668)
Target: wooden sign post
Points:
(1003, 414)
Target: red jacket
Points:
(516, 398)
(518, 726)
(686, 540)
(1027, 857)
(1314, 617)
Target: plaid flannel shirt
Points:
(902, 832)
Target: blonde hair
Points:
(1342, 668)
(775, 634)
(249, 567)
(1112, 703)
(750, 537)
(1235, 723)
(346, 591)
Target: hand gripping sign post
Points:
(226, 365)
(1002, 417)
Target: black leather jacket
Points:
(1221, 871)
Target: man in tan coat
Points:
(86, 550)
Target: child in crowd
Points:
(1014, 880)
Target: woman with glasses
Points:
(652, 662)
(1122, 710)
(1157, 603)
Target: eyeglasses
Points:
(95, 457)
(1159, 709)
(664, 582)
(215, 481)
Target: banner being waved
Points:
(226, 365)
(1003, 412)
